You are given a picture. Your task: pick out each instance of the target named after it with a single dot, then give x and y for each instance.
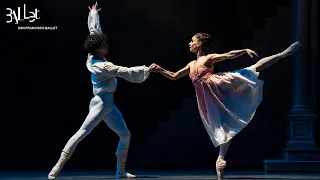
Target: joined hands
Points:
(155, 68)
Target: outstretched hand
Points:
(154, 68)
(94, 7)
(251, 53)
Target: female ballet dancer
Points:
(103, 77)
(226, 101)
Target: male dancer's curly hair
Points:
(206, 42)
(94, 42)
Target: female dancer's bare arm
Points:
(174, 75)
(230, 55)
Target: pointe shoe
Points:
(291, 49)
(220, 165)
(124, 175)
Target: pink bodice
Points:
(198, 72)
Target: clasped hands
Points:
(155, 68)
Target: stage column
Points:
(301, 153)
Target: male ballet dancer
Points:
(103, 77)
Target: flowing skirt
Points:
(227, 102)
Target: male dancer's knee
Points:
(75, 139)
(125, 136)
(82, 133)
(124, 142)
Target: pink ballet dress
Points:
(226, 101)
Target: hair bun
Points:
(206, 42)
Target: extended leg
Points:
(116, 122)
(97, 110)
(270, 60)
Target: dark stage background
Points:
(46, 86)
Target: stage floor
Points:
(159, 175)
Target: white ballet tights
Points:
(101, 108)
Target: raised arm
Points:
(174, 75)
(230, 55)
(93, 20)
